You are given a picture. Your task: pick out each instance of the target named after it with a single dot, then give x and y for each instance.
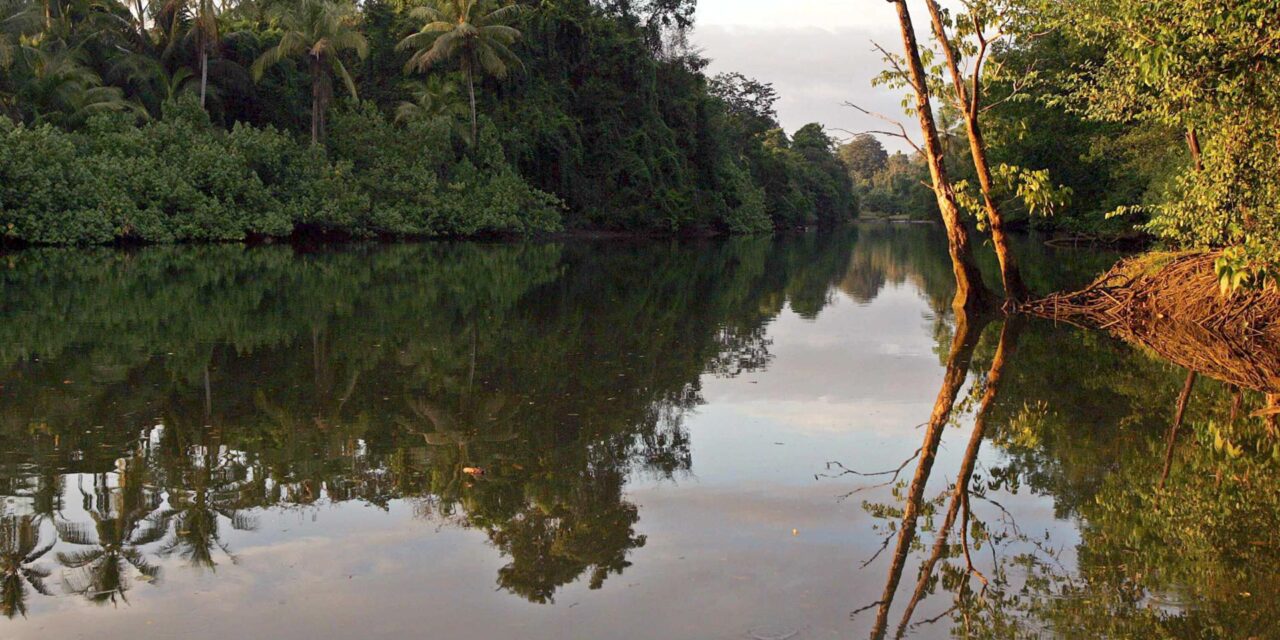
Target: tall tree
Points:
(202, 18)
(864, 156)
(320, 30)
(477, 32)
(436, 98)
(969, 288)
(969, 101)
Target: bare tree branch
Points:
(901, 133)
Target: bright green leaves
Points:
(1035, 189)
(1235, 270)
(1210, 70)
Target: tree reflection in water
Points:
(510, 389)
(516, 390)
(1178, 534)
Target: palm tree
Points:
(320, 29)
(57, 87)
(19, 550)
(207, 488)
(436, 98)
(202, 16)
(155, 84)
(14, 20)
(124, 519)
(471, 30)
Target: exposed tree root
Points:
(1170, 304)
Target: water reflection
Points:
(609, 418)
(506, 389)
(1172, 539)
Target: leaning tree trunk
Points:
(970, 291)
(1014, 288)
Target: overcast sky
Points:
(817, 53)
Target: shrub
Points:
(181, 179)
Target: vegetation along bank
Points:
(194, 120)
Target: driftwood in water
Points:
(1171, 304)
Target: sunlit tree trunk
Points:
(970, 100)
(1193, 143)
(970, 292)
(968, 328)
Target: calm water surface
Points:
(581, 440)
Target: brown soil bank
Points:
(1170, 303)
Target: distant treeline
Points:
(188, 120)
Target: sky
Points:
(818, 54)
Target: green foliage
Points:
(418, 184)
(1182, 70)
(864, 156)
(181, 179)
(1235, 269)
(174, 179)
(594, 108)
(1033, 190)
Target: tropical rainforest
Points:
(196, 120)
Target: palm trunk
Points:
(204, 75)
(471, 91)
(1014, 288)
(970, 292)
(316, 101)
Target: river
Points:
(605, 439)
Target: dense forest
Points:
(1132, 108)
(174, 120)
